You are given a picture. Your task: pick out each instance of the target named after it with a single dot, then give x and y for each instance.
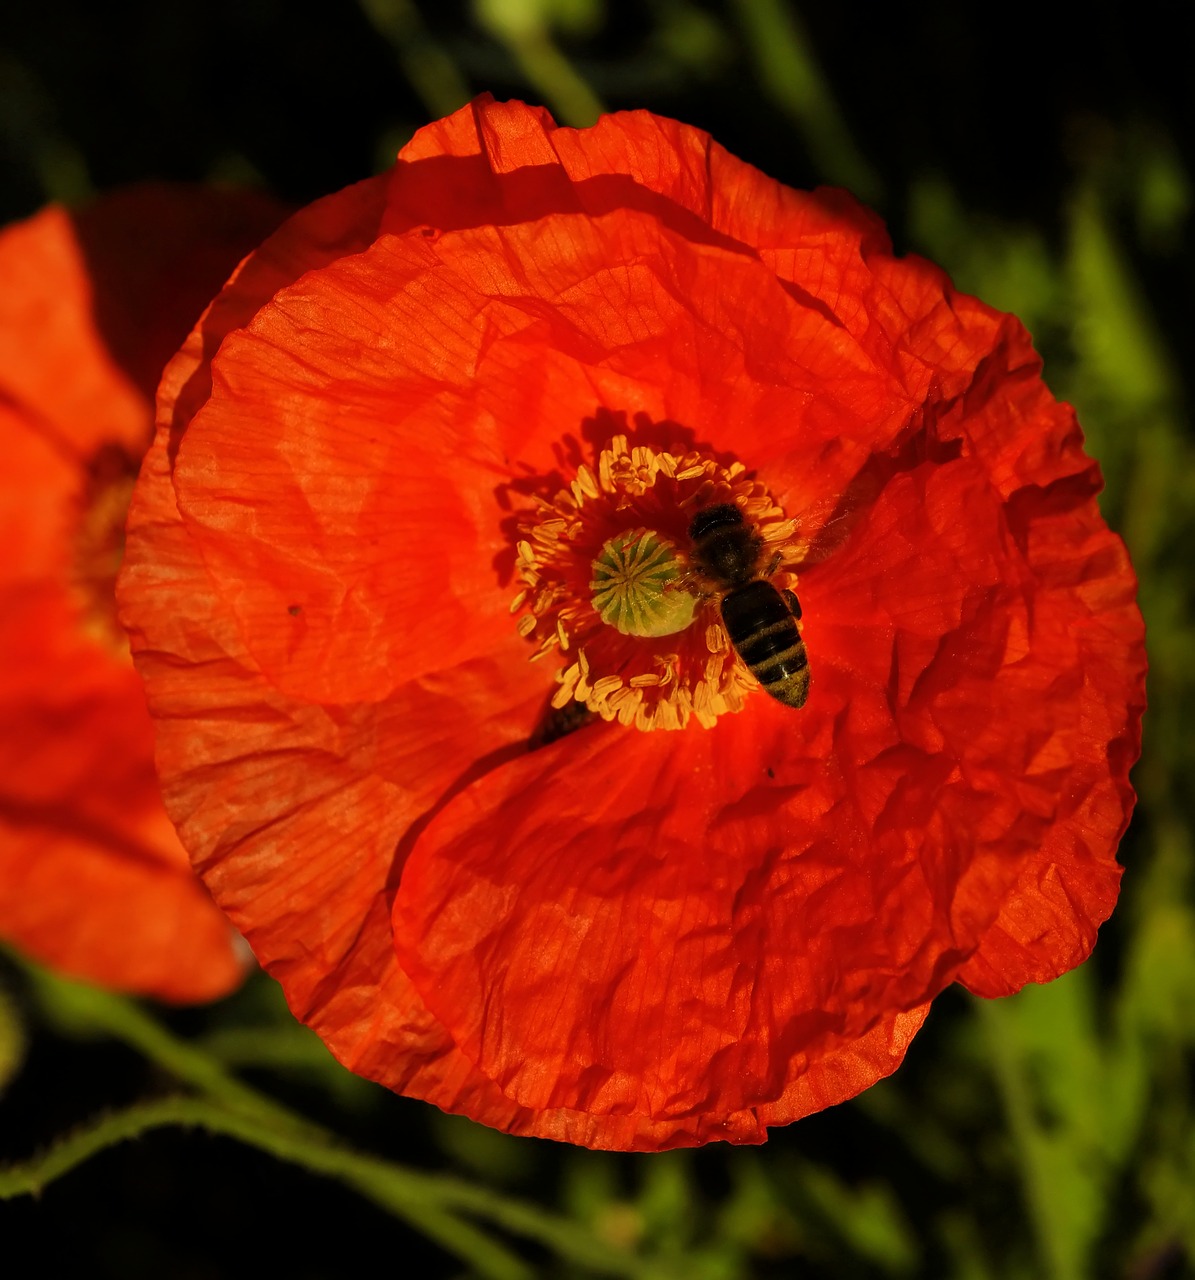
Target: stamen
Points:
(103, 507)
(608, 582)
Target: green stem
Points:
(290, 1047)
(565, 90)
(429, 1202)
(794, 82)
(74, 1006)
(524, 33)
(427, 66)
(397, 1192)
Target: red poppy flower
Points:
(93, 880)
(517, 366)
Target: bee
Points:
(760, 619)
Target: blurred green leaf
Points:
(927, 1137)
(1009, 267)
(865, 1220)
(1078, 1089)
(1156, 1001)
(1164, 193)
(691, 37)
(497, 1157)
(1168, 1180)
(13, 1039)
(1121, 353)
(960, 1237)
(752, 1216)
(1062, 1177)
(667, 1200)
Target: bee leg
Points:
(794, 605)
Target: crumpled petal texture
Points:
(623, 939)
(93, 879)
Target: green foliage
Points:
(13, 1040)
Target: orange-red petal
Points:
(93, 879)
(346, 429)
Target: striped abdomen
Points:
(763, 630)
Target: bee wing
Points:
(821, 532)
(826, 525)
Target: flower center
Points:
(637, 585)
(99, 543)
(612, 588)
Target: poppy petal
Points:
(94, 880)
(318, 404)
(635, 942)
(56, 370)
